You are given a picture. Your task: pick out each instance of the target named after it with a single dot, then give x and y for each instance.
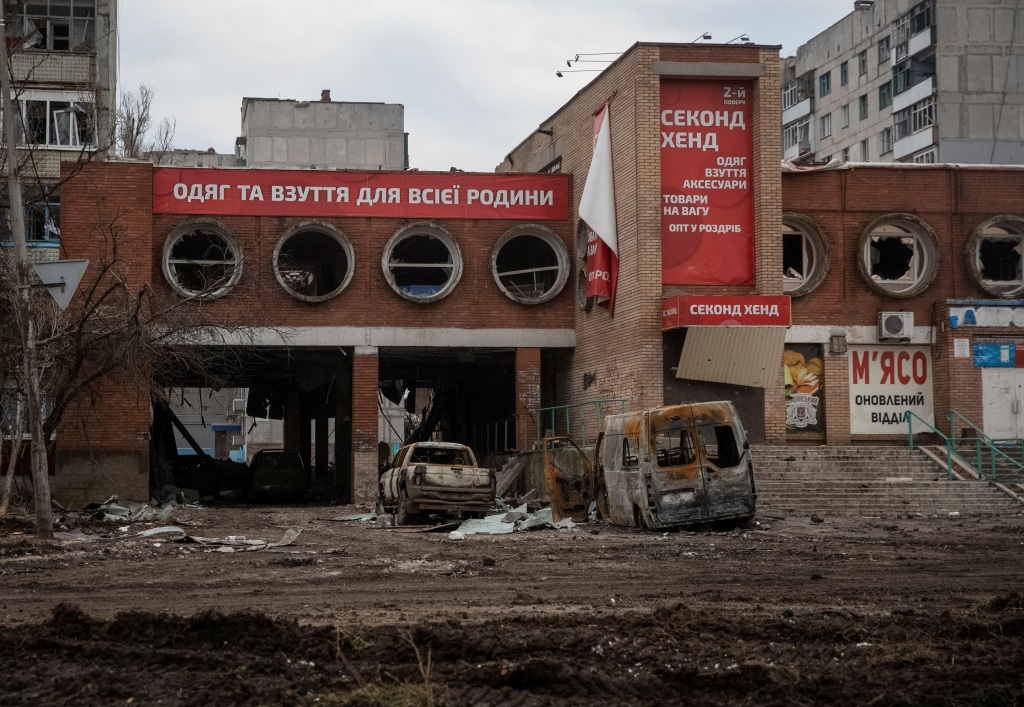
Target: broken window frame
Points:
(922, 266)
(454, 263)
(59, 25)
(323, 229)
(504, 280)
(41, 217)
(55, 119)
(170, 265)
(814, 255)
(1000, 228)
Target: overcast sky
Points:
(475, 76)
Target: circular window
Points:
(201, 259)
(804, 255)
(994, 256)
(898, 255)
(422, 262)
(530, 264)
(313, 262)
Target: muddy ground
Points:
(914, 610)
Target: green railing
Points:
(986, 452)
(950, 446)
(579, 421)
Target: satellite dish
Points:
(61, 278)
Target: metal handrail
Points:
(950, 447)
(982, 440)
(555, 414)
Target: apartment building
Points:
(899, 81)
(63, 56)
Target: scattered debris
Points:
(294, 561)
(815, 518)
(456, 535)
(360, 517)
(232, 543)
(113, 510)
(515, 521)
(954, 514)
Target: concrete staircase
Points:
(885, 482)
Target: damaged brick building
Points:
(825, 301)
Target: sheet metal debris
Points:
(114, 510)
(516, 520)
(232, 543)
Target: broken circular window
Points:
(422, 262)
(313, 262)
(201, 260)
(899, 256)
(530, 264)
(994, 256)
(804, 255)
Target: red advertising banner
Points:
(707, 201)
(597, 209)
(722, 310)
(258, 192)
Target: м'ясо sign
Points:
(886, 382)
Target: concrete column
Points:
(320, 440)
(292, 420)
(775, 410)
(364, 424)
(305, 435)
(527, 395)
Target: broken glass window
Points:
(314, 264)
(529, 269)
(202, 263)
(423, 265)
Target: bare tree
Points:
(135, 123)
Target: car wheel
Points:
(403, 516)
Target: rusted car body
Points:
(676, 465)
(438, 476)
(658, 468)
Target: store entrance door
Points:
(1003, 402)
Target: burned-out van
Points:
(675, 465)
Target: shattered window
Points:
(899, 257)
(422, 263)
(674, 447)
(59, 25)
(996, 250)
(630, 451)
(313, 263)
(803, 257)
(718, 445)
(530, 264)
(201, 261)
(58, 123)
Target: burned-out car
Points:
(659, 468)
(435, 476)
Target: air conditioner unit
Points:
(895, 325)
(238, 405)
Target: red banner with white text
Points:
(460, 195)
(707, 196)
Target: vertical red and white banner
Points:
(597, 210)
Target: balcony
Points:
(917, 92)
(912, 143)
(797, 111)
(43, 67)
(921, 41)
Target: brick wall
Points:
(624, 352)
(953, 202)
(527, 395)
(364, 425)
